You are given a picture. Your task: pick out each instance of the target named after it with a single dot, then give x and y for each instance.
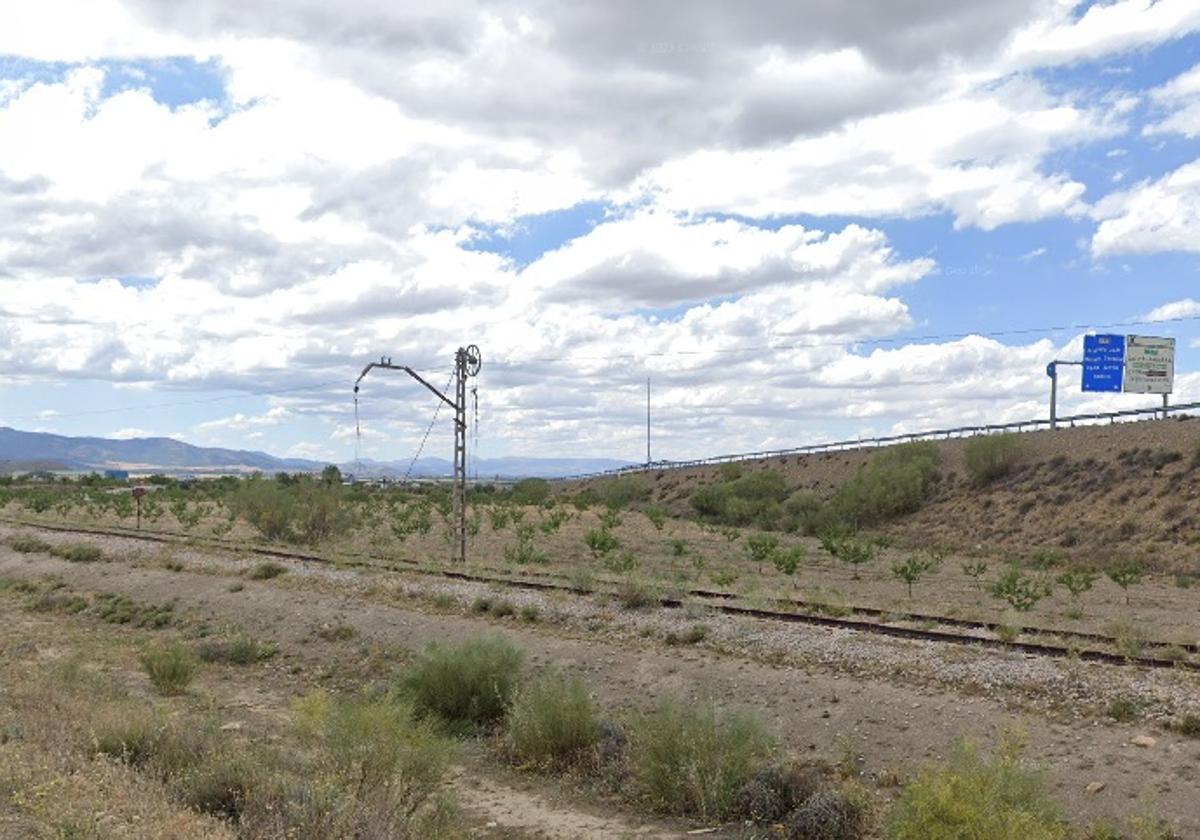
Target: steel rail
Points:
(813, 617)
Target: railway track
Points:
(792, 610)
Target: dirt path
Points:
(822, 715)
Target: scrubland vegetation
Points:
(376, 762)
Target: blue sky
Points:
(213, 226)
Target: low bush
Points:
(376, 743)
(293, 509)
(238, 650)
(26, 544)
(552, 720)
(828, 815)
(170, 668)
(465, 686)
(80, 553)
(530, 491)
(266, 569)
(751, 499)
(128, 735)
(693, 759)
(1020, 591)
(622, 491)
(976, 795)
(601, 541)
(635, 595)
(220, 784)
(694, 635)
(990, 457)
(774, 792)
(1187, 724)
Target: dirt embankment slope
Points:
(1095, 492)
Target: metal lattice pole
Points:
(460, 454)
(467, 361)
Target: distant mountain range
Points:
(24, 451)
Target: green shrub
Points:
(1124, 708)
(990, 457)
(761, 547)
(525, 553)
(26, 544)
(170, 668)
(622, 491)
(1020, 591)
(600, 541)
(220, 784)
(1125, 573)
(530, 491)
(754, 498)
(691, 636)
(693, 759)
(895, 482)
(129, 736)
(635, 595)
(266, 569)
(801, 511)
(914, 567)
(552, 720)
(292, 509)
(1187, 724)
(239, 650)
(465, 686)
(375, 745)
(80, 553)
(973, 795)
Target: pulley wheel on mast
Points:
(473, 360)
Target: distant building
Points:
(117, 475)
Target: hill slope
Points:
(1093, 493)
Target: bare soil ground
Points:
(877, 708)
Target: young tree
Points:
(1021, 591)
(1077, 581)
(760, 547)
(1125, 573)
(914, 567)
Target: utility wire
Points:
(518, 363)
(429, 429)
(836, 344)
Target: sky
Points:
(801, 221)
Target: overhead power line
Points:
(902, 339)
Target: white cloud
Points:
(1175, 309)
(243, 422)
(1151, 216)
(1063, 36)
(325, 211)
(974, 153)
(129, 433)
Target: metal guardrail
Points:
(870, 443)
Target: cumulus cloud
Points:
(1151, 216)
(327, 206)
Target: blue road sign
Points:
(1103, 362)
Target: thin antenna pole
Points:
(647, 421)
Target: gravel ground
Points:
(1067, 687)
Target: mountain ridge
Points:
(20, 448)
